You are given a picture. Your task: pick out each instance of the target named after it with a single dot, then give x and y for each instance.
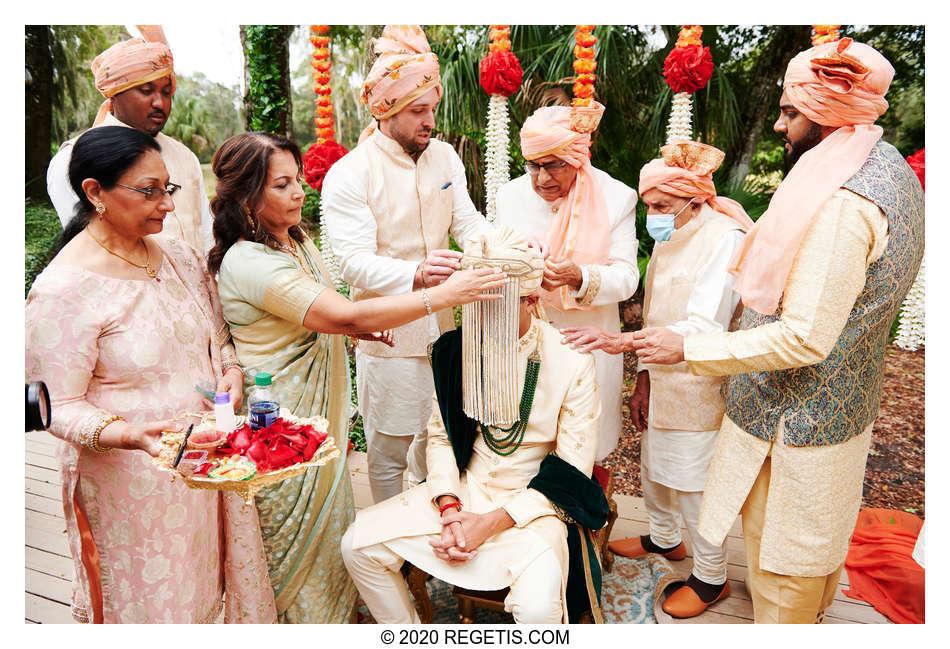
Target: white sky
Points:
(189, 42)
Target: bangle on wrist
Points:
(232, 366)
(93, 440)
(457, 504)
(425, 299)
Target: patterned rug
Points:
(626, 595)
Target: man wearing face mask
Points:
(822, 275)
(687, 290)
(137, 79)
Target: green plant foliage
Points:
(75, 98)
(262, 49)
(204, 114)
(42, 232)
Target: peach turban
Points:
(580, 231)
(131, 63)
(405, 69)
(840, 85)
(685, 170)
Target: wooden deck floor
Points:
(49, 566)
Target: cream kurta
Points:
(564, 419)
(384, 212)
(688, 291)
(806, 532)
(603, 287)
(191, 219)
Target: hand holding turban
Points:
(842, 85)
(685, 170)
(580, 231)
(131, 63)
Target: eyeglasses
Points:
(154, 193)
(534, 168)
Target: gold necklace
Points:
(151, 272)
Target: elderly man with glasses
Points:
(584, 221)
(137, 79)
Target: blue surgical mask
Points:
(660, 226)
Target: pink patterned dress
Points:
(145, 549)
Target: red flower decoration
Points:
(318, 159)
(500, 73)
(916, 162)
(688, 69)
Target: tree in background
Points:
(267, 98)
(61, 96)
(204, 114)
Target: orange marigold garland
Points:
(821, 34)
(501, 75)
(322, 154)
(687, 68)
(584, 65)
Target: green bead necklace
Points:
(513, 435)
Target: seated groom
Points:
(508, 501)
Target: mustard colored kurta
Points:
(564, 420)
(603, 285)
(815, 492)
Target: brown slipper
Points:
(633, 547)
(686, 603)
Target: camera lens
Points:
(38, 409)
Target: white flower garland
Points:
(681, 122)
(496, 155)
(329, 259)
(911, 331)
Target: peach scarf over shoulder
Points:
(841, 85)
(685, 170)
(580, 231)
(132, 63)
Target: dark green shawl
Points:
(579, 499)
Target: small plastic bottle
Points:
(261, 405)
(224, 412)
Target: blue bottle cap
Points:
(222, 397)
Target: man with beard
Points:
(137, 78)
(390, 205)
(822, 276)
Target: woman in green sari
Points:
(278, 300)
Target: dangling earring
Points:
(100, 208)
(250, 220)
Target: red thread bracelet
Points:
(457, 504)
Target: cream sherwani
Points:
(805, 533)
(384, 213)
(191, 219)
(564, 419)
(602, 287)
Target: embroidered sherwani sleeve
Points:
(443, 476)
(351, 230)
(616, 280)
(576, 443)
(712, 302)
(829, 272)
(467, 221)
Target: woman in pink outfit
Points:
(121, 326)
